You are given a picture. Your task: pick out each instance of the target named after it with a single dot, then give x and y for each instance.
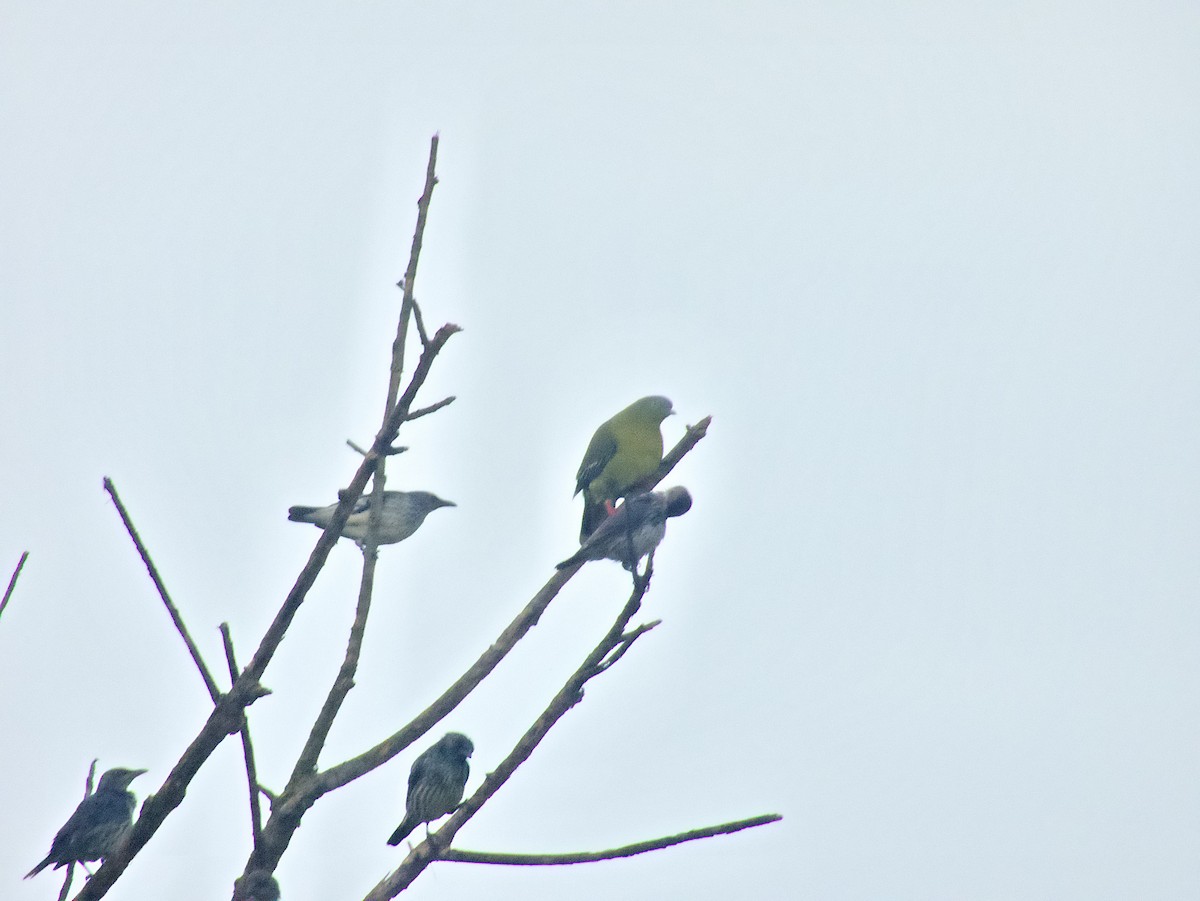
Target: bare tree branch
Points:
(419, 320)
(432, 408)
(282, 823)
(568, 696)
(247, 746)
(627, 641)
(225, 719)
(213, 691)
(306, 762)
(407, 283)
(672, 457)
(12, 582)
(286, 816)
(542, 860)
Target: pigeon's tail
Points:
(593, 515)
(301, 514)
(41, 866)
(407, 825)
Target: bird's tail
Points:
(301, 514)
(407, 825)
(41, 866)
(570, 561)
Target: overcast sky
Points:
(932, 268)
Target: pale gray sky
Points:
(930, 266)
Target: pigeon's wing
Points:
(600, 451)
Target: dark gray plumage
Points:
(435, 783)
(402, 514)
(638, 525)
(98, 824)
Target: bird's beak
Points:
(448, 504)
(137, 773)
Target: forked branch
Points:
(457, 855)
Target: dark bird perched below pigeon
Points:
(98, 824)
(435, 783)
(635, 528)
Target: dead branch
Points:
(432, 408)
(12, 582)
(458, 855)
(225, 719)
(568, 696)
(247, 746)
(172, 610)
(286, 816)
(281, 825)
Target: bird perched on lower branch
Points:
(98, 825)
(402, 514)
(635, 528)
(435, 783)
(624, 450)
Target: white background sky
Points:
(932, 267)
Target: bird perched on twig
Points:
(98, 824)
(402, 514)
(623, 451)
(635, 528)
(435, 783)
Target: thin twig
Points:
(432, 408)
(568, 696)
(67, 880)
(671, 458)
(247, 746)
(626, 643)
(12, 582)
(213, 691)
(306, 762)
(458, 855)
(420, 322)
(407, 283)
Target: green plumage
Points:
(624, 451)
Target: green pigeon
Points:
(624, 451)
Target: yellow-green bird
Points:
(625, 450)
